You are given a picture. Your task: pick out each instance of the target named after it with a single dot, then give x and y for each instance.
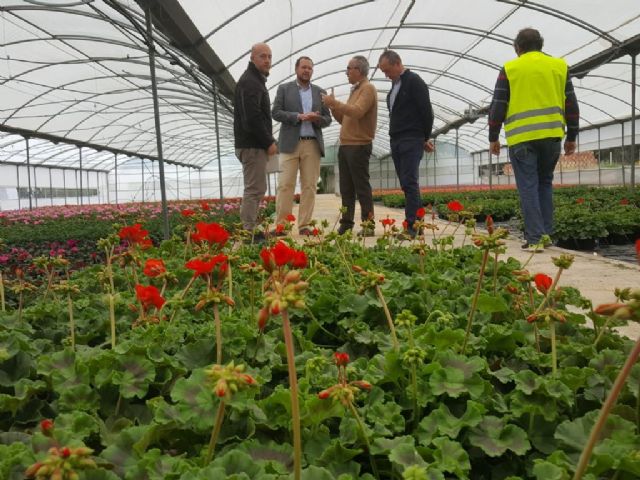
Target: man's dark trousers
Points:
(353, 162)
(406, 154)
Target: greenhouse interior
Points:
(447, 290)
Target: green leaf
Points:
(316, 473)
(442, 422)
(406, 456)
(195, 403)
(451, 457)
(491, 304)
(457, 374)
(136, 376)
(238, 462)
(494, 437)
(574, 433)
(544, 470)
(382, 446)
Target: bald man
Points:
(253, 133)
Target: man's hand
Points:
(273, 149)
(569, 148)
(494, 147)
(429, 146)
(328, 99)
(313, 117)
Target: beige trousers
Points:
(305, 158)
(254, 164)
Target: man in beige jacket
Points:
(358, 119)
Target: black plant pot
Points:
(579, 243)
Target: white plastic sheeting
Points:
(79, 69)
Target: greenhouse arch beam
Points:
(564, 16)
(420, 26)
(55, 139)
(299, 24)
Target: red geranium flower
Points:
(205, 266)
(134, 234)
(298, 259)
(291, 218)
(212, 233)
(341, 358)
(580, 201)
(387, 222)
(405, 225)
(204, 206)
(279, 228)
(624, 201)
(455, 206)
(154, 267)
(420, 213)
(281, 255)
(315, 232)
(187, 212)
(638, 248)
(543, 282)
(46, 427)
(149, 296)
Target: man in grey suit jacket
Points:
(298, 106)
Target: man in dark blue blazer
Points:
(298, 106)
(410, 124)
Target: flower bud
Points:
(65, 452)
(292, 276)
(263, 316)
(221, 388)
(324, 394)
(363, 384)
(46, 427)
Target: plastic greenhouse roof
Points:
(79, 70)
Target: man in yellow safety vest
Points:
(534, 98)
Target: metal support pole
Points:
(35, 185)
(98, 187)
(115, 177)
(624, 157)
(190, 192)
(106, 178)
(632, 181)
(177, 183)
(599, 160)
(457, 162)
(217, 127)
(490, 171)
(75, 178)
(50, 189)
(200, 181)
(29, 173)
(156, 111)
(88, 188)
(64, 185)
(142, 177)
(577, 164)
(153, 180)
(81, 199)
(18, 184)
(435, 160)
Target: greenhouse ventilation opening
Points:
(83, 111)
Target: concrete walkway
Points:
(594, 276)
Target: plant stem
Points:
(372, 460)
(214, 433)
(112, 320)
(602, 330)
(414, 387)
(72, 325)
(182, 295)
(4, 308)
(346, 264)
(604, 412)
(474, 302)
(554, 353)
(394, 338)
(118, 404)
(252, 300)
(495, 274)
(537, 335)
(218, 323)
(230, 278)
(293, 388)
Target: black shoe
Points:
(344, 229)
(408, 234)
(275, 233)
(533, 247)
(305, 232)
(257, 238)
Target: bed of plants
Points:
(204, 357)
(610, 215)
(72, 231)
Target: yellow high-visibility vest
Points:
(536, 103)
